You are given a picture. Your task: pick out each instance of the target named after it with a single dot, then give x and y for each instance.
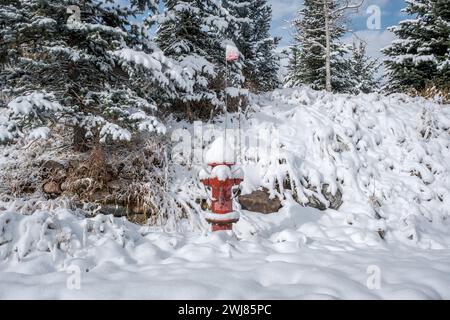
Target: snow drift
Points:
(387, 155)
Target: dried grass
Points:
(440, 95)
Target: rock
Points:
(51, 165)
(102, 196)
(115, 210)
(259, 201)
(64, 186)
(74, 163)
(134, 215)
(116, 185)
(52, 187)
(78, 186)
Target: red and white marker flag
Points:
(232, 53)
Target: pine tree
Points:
(308, 65)
(250, 31)
(420, 57)
(294, 71)
(239, 33)
(192, 33)
(266, 62)
(362, 69)
(100, 76)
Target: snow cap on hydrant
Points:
(221, 179)
(220, 152)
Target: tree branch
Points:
(348, 6)
(317, 44)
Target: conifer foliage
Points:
(307, 65)
(191, 33)
(420, 57)
(362, 69)
(85, 67)
(250, 30)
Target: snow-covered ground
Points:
(389, 156)
(293, 254)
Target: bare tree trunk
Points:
(329, 17)
(79, 139)
(326, 12)
(190, 114)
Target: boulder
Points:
(115, 210)
(259, 201)
(52, 187)
(51, 166)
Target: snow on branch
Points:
(32, 112)
(117, 133)
(83, 26)
(32, 104)
(146, 123)
(149, 61)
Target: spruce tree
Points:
(362, 69)
(192, 33)
(308, 65)
(420, 57)
(99, 75)
(250, 30)
(266, 62)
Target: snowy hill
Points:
(387, 156)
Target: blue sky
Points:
(285, 10)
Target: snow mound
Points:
(388, 155)
(290, 255)
(60, 233)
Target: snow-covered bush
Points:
(386, 155)
(371, 146)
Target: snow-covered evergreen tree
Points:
(82, 66)
(362, 69)
(192, 32)
(250, 30)
(266, 61)
(420, 57)
(308, 65)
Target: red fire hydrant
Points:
(222, 179)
